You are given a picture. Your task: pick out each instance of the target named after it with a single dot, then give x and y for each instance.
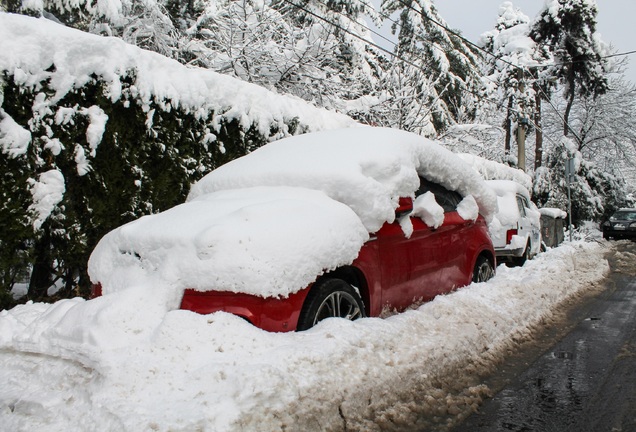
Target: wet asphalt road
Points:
(585, 382)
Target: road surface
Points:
(586, 381)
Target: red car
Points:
(406, 260)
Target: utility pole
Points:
(521, 143)
(569, 174)
(522, 121)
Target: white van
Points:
(516, 228)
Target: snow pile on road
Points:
(120, 363)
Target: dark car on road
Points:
(621, 225)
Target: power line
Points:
(352, 33)
(419, 67)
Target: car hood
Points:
(266, 241)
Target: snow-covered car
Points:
(516, 228)
(342, 223)
(621, 225)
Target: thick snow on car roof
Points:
(508, 214)
(491, 170)
(366, 168)
(508, 188)
(269, 223)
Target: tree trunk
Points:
(508, 127)
(538, 150)
(568, 108)
(42, 263)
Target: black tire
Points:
(525, 257)
(483, 270)
(330, 298)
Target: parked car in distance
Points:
(621, 225)
(516, 228)
(340, 223)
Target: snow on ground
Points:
(120, 363)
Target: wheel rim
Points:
(484, 272)
(338, 304)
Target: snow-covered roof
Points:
(270, 222)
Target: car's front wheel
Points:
(331, 298)
(483, 270)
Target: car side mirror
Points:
(405, 205)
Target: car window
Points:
(522, 206)
(624, 215)
(447, 199)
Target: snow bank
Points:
(74, 365)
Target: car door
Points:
(453, 254)
(409, 264)
(525, 226)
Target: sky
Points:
(615, 21)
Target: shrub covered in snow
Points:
(95, 132)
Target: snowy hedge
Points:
(95, 133)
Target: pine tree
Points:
(568, 29)
(451, 64)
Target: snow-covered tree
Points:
(398, 101)
(452, 64)
(144, 23)
(603, 125)
(314, 50)
(568, 29)
(351, 66)
(512, 67)
(594, 193)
